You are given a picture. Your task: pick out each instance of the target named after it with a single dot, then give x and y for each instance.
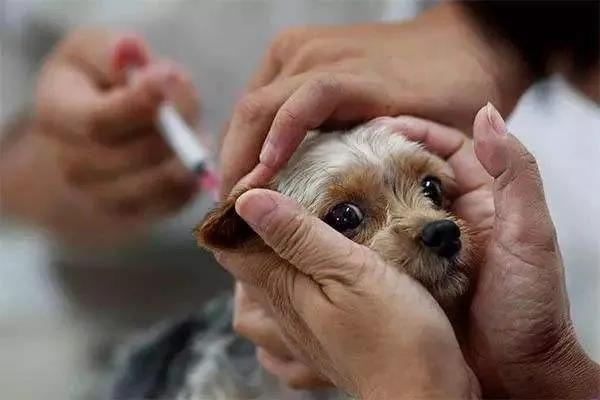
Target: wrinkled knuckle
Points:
(528, 159)
(520, 156)
(306, 55)
(327, 85)
(363, 261)
(523, 164)
(313, 48)
(272, 282)
(286, 41)
(294, 238)
(360, 261)
(255, 275)
(286, 119)
(250, 107)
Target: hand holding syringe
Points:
(187, 147)
(180, 137)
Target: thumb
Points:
(306, 242)
(129, 51)
(522, 216)
(103, 53)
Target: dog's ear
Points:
(223, 228)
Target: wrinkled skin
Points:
(519, 300)
(335, 76)
(334, 294)
(520, 336)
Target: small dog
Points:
(378, 189)
(370, 184)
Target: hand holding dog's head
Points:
(338, 177)
(329, 294)
(376, 188)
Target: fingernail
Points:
(268, 156)
(495, 120)
(253, 206)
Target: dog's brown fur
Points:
(384, 180)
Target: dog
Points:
(379, 190)
(373, 186)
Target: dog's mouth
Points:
(450, 280)
(452, 265)
(441, 270)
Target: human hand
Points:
(520, 340)
(544, 349)
(254, 320)
(436, 66)
(369, 328)
(102, 127)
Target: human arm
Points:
(85, 161)
(364, 325)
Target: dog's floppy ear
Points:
(223, 228)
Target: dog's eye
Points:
(432, 188)
(344, 218)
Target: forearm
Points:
(549, 37)
(506, 72)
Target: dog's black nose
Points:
(442, 237)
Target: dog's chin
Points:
(446, 279)
(451, 267)
(451, 285)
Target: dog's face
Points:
(378, 189)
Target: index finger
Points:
(447, 143)
(335, 99)
(249, 125)
(282, 50)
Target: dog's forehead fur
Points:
(372, 151)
